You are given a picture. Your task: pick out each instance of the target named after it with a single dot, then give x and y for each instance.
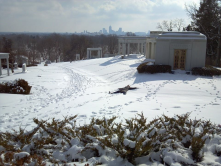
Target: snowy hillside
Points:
(82, 88)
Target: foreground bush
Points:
(19, 86)
(165, 139)
(206, 71)
(144, 68)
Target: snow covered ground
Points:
(82, 88)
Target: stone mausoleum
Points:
(180, 50)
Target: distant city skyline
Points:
(76, 16)
(111, 31)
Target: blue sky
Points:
(90, 15)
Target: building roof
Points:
(182, 35)
(4, 55)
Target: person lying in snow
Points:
(123, 90)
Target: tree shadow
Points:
(145, 77)
(119, 58)
(111, 61)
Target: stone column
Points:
(145, 47)
(138, 47)
(141, 48)
(152, 50)
(7, 66)
(98, 53)
(149, 56)
(147, 50)
(119, 48)
(87, 54)
(128, 48)
(124, 49)
(101, 53)
(0, 66)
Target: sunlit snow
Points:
(82, 88)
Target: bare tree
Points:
(169, 25)
(49, 47)
(42, 49)
(112, 43)
(7, 47)
(191, 10)
(32, 49)
(130, 34)
(57, 43)
(160, 26)
(179, 24)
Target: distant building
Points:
(105, 31)
(110, 29)
(140, 33)
(119, 32)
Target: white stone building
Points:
(4, 56)
(180, 50)
(125, 41)
(90, 56)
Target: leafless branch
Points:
(160, 26)
(179, 23)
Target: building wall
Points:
(198, 54)
(162, 52)
(195, 52)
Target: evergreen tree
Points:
(207, 19)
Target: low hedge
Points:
(31, 65)
(206, 71)
(144, 68)
(156, 140)
(19, 86)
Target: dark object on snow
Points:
(123, 90)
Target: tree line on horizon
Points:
(206, 19)
(55, 46)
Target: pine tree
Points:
(207, 20)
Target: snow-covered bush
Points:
(19, 86)
(145, 68)
(206, 71)
(168, 140)
(130, 140)
(20, 159)
(141, 68)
